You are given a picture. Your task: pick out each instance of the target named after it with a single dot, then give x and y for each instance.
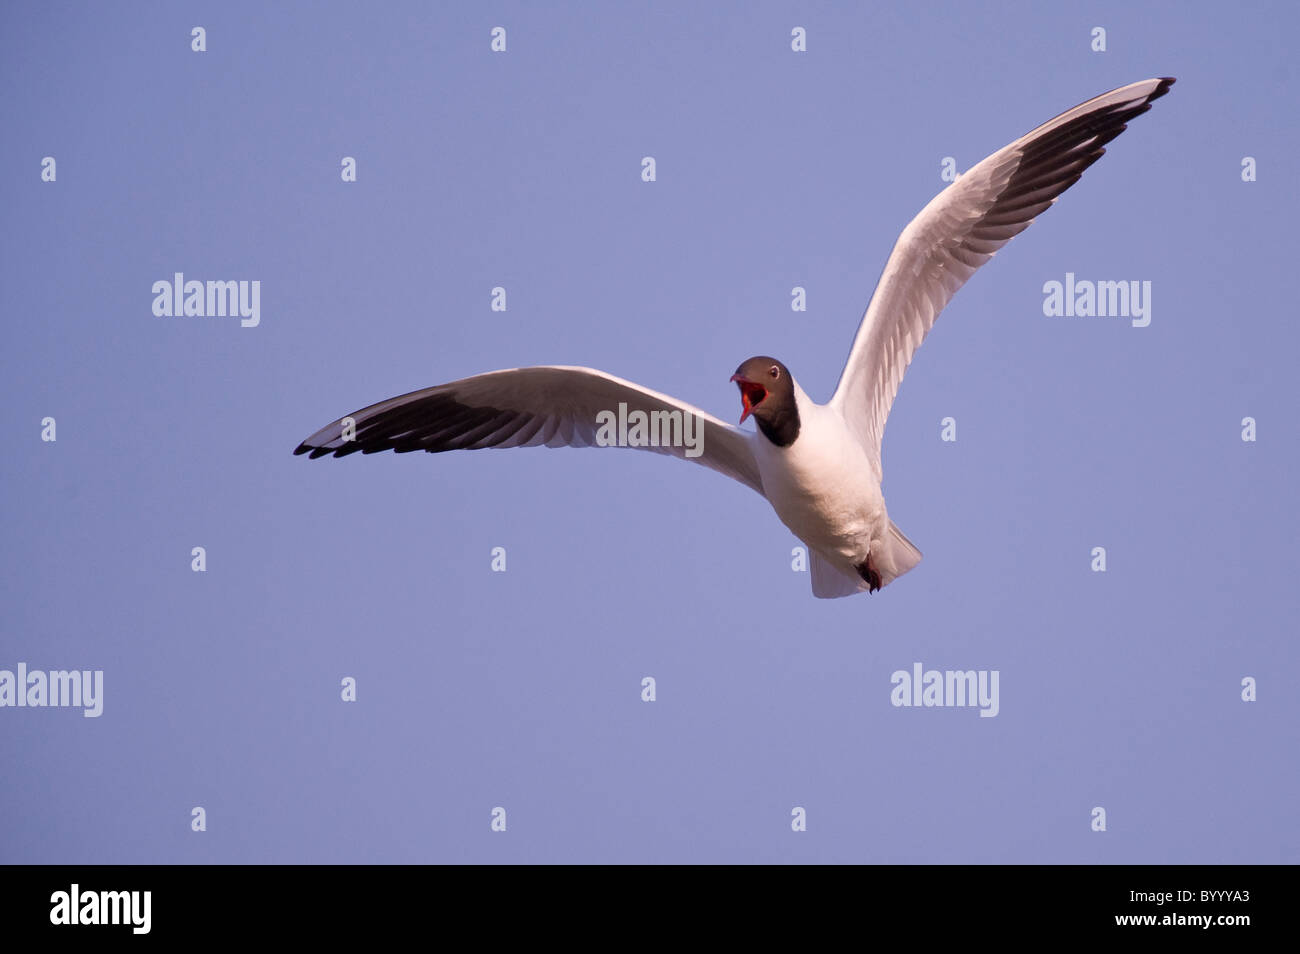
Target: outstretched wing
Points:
(960, 230)
(528, 407)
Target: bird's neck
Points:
(782, 427)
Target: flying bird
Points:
(818, 465)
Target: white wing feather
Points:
(525, 407)
(960, 230)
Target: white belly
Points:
(824, 487)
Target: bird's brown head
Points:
(767, 392)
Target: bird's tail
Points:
(831, 582)
(902, 555)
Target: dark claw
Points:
(866, 571)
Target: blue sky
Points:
(522, 689)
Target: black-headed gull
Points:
(817, 464)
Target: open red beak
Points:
(751, 395)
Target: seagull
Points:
(818, 465)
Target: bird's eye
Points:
(774, 371)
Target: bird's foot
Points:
(868, 573)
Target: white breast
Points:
(824, 486)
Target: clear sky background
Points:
(522, 689)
